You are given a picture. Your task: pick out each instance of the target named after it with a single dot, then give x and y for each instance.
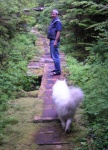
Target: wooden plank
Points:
(38, 119)
(54, 143)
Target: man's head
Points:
(54, 13)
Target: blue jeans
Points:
(54, 51)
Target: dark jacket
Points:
(55, 26)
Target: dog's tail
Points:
(77, 94)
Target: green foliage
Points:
(14, 19)
(29, 83)
(16, 49)
(13, 69)
(93, 78)
(98, 52)
(3, 123)
(84, 23)
(22, 49)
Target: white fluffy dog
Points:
(66, 100)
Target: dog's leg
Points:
(68, 123)
(62, 122)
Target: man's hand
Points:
(57, 37)
(55, 43)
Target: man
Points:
(54, 31)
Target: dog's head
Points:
(60, 84)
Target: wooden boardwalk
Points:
(51, 136)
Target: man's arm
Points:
(57, 37)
